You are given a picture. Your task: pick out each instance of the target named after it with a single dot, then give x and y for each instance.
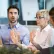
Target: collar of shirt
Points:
(16, 26)
(46, 28)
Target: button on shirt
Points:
(5, 34)
(43, 38)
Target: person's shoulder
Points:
(24, 27)
(52, 29)
(3, 26)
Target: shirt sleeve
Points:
(0, 36)
(26, 38)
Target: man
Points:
(13, 32)
(41, 39)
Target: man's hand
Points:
(15, 36)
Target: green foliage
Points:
(10, 50)
(5, 50)
(26, 51)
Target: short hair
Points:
(51, 12)
(13, 7)
(44, 13)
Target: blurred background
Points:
(28, 9)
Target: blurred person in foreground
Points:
(51, 13)
(14, 32)
(41, 39)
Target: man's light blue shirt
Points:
(5, 34)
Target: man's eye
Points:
(10, 12)
(15, 12)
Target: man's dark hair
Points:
(51, 12)
(13, 7)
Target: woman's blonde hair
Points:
(43, 13)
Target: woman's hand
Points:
(33, 49)
(32, 35)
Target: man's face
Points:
(13, 15)
(40, 20)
